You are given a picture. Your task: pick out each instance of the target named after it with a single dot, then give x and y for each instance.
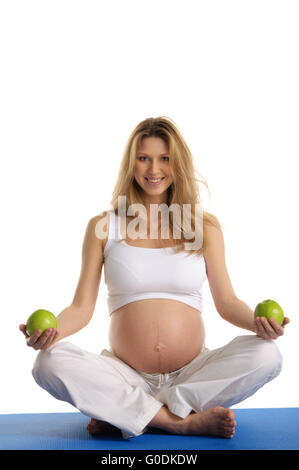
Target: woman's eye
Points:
(140, 158)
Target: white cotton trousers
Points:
(104, 387)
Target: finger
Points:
(277, 327)
(22, 328)
(257, 326)
(42, 339)
(55, 335)
(260, 329)
(32, 340)
(49, 340)
(268, 328)
(286, 321)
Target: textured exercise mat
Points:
(257, 429)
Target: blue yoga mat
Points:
(257, 429)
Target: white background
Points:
(76, 78)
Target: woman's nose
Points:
(154, 166)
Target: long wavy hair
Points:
(183, 190)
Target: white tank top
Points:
(134, 273)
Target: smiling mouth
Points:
(158, 181)
(154, 183)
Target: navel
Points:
(159, 346)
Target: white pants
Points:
(103, 387)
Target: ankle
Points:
(168, 421)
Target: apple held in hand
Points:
(40, 320)
(269, 309)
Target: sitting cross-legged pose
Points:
(158, 371)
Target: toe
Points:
(230, 417)
(92, 422)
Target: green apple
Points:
(40, 320)
(269, 309)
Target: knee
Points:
(46, 363)
(267, 356)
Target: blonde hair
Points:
(183, 190)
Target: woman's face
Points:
(152, 163)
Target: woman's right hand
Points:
(40, 340)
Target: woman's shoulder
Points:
(101, 215)
(211, 229)
(210, 220)
(100, 226)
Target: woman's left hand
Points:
(269, 329)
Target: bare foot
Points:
(217, 421)
(96, 427)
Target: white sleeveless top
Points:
(134, 273)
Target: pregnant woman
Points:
(158, 371)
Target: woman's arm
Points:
(239, 314)
(71, 320)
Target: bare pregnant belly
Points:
(156, 335)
